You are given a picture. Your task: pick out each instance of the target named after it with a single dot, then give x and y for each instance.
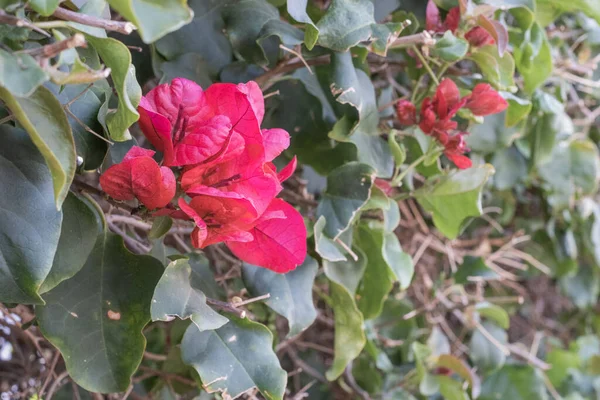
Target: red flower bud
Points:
(407, 112)
(139, 176)
(485, 101)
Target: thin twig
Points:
(228, 307)
(423, 38)
(116, 26)
(56, 384)
(285, 67)
(53, 49)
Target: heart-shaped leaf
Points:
(290, 294)
(454, 197)
(235, 358)
(176, 295)
(96, 318)
(348, 189)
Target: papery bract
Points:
(484, 100)
(275, 141)
(478, 37)
(455, 148)
(139, 176)
(433, 19)
(191, 126)
(219, 216)
(279, 239)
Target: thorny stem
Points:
(116, 26)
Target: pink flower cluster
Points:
(224, 160)
(437, 112)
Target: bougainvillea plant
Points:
(289, 199)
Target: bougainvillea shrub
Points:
(321, 199)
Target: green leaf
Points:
(347, 273)
(353, 87)
(493, 312)
(450, 48)
(383, 35)
(497, 70)
(249, 25)
(549, 10)
(324, 246)
(89, 147)
(533, 57)
(20, 73)
(80, 225)
(154, 19)
(44, 7)
(474, 267)
(378, 278)
(400, 263)
(96, 318)
(514, 382)
(451, 389)
(454, 197)
(160, 227)
(29, 222)
(517, 110)
(291, 293)
(190, 66)
(561, 361)
(346, 23)
(462, 369)
(117, 56)
(348, 189)
(204, 36)
(437, 343)
(572, 168)
(491, 135)
(510, 166)
(484, 354)
(235, 358)
(297, 9)
(349, 334)
(43, 118)
(176, 295)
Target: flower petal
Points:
(255, 96)
(484, 100)
(140, 176)
(433, 21)
(154, 186)
(279, 244)
(207, 141)
(288, 170)
(275, 141)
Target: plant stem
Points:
(425, 64)
(52, 50)
(396, 181)
(117, 26)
